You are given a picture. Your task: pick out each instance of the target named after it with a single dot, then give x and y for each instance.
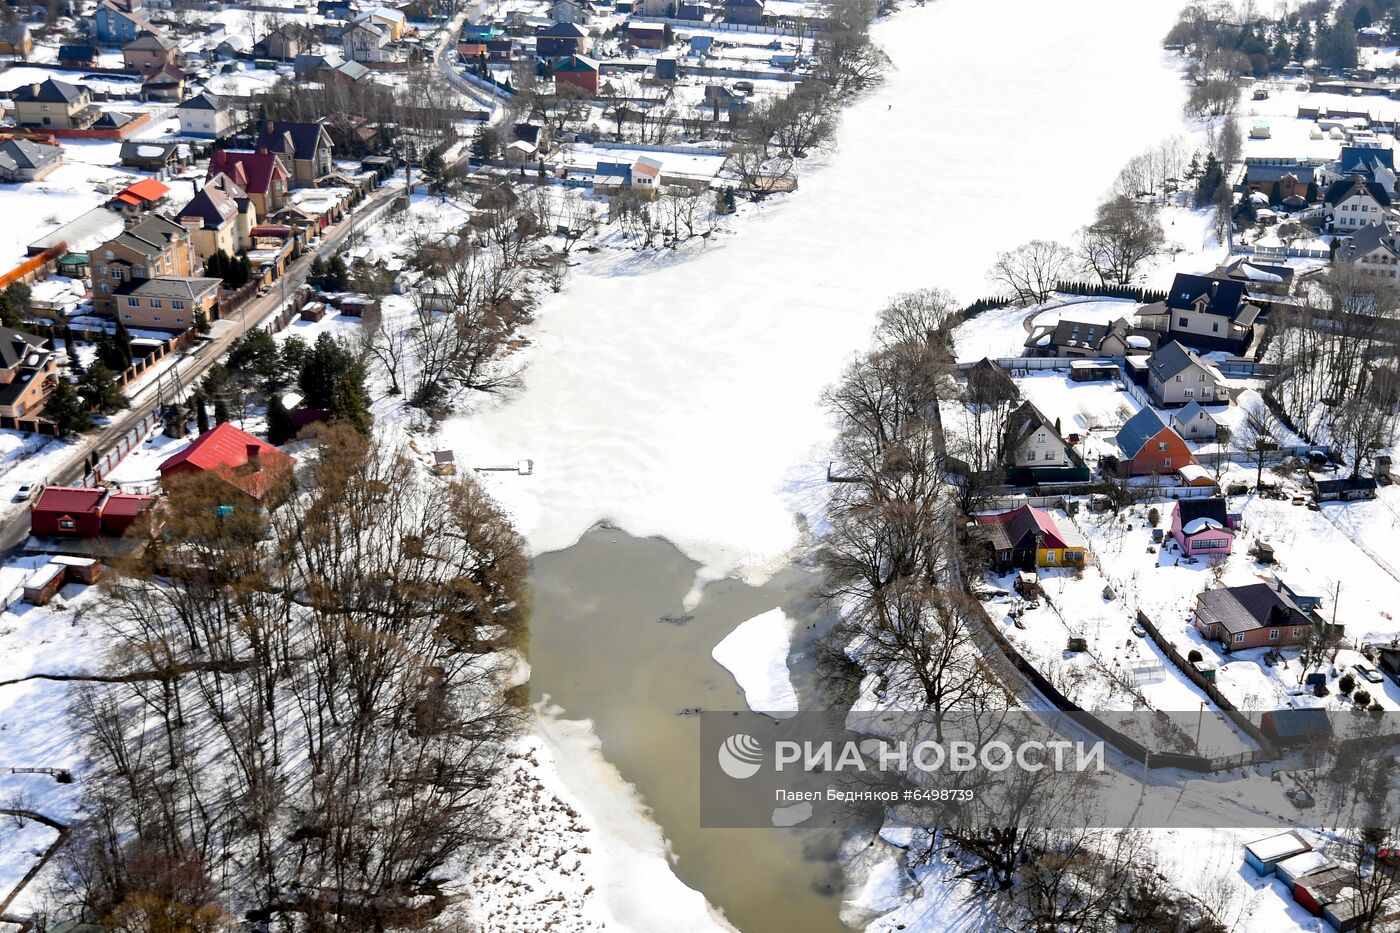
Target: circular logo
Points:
(740, 756)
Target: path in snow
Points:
(677, 396)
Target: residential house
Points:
(518, 151)
(1070, 339)
(149, 52)
(282, 44)
(1373, 250)
(1202, 527)
(366, 41)
(1150, 448)
(304, 148)
(220, 218)
(1027, 538)
(153, 247)
(85, 512)
(1194, 423)
(77, 55)
(23, 161)
(261, 174)
(313, 67)
(168, 302)
(646, 175)
(1282, 179)
(1353, 203)
(535, 134)
(15, 39)
(140, 197)
(569, 11)
(393, 22)
(205, 115)
(1252, 616)
(1034, 451)
(578, 70)
(157, 156)
(1176, 375)
(112, 25)
(989, 384)
(1374, 164)
(252, 466)
(28, 373)
(560, 40)
(114, 120)
(166, 84)
(646, 35)
(54, 105)
(1207, 313)
(747, 12)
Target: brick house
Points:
(220, 218)
(85, 512)
(153, 247)
(252, 466)
(578, 70)
(168, 302)
(304, 148)
(1150, 447)
(54, 105)
(148, 53)
(261, 174)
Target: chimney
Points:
(255, 456)
(262, 150)
(34, 88)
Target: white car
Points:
(23, 493)
(1367, 672)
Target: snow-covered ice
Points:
(756, 654)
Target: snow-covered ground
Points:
(756, 654)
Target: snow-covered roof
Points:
(1198, 525)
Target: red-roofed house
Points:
(245, 462)
(84, 512)
(259, 173)
(1028, 537)
(142, 196)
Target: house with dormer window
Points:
(1354, 203)
(1206, 313)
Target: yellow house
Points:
(1028, 537)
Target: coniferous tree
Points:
(98, 389)
(280, 427)
(66, 410)
(201, 413)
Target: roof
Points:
(1189, 412)
(1364, 159)
(1239, 609)
(1025, 421)
(202, 101)
(1272, 170)
(70, 499)
(16, 346)
(189, 287)
(152, 236)
(50, 91)
(150, 41)
(1011, 530)
(1279, 846)
(576, 63)
(77, 53)
(159, 150)
(646, 165)
(112, 119)
(147, 189)
(298, 140)
(1340, 190)
(1192, 510)
(1172, 359)
(1137, 431)
(17, 154)
(1224, 296)
(220, 201)
(251, 171)
(1366, 241)
(225, 450)
(563, 31)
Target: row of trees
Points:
(1231, 40)
(306, 710)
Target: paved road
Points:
(192, 364)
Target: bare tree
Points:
(1124, 235)
(1032, 270)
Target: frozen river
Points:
(676, 395)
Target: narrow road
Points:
(192, 364)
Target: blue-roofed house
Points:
(612, 176)
(1195, 423)
(1374, 164)
(1150, 447)
(561, 40)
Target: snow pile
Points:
(756, 654)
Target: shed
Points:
(1092, 371)
(1294, 867)
(1264, 855)
(444, 463)
(86, 570)
(42, 584)
(1296, 726)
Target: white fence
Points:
(721, 26)
(646, 147)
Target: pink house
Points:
(1202, 527)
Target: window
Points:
(1210, 544)
(106, 286)
(1166, 463)
(1299, 632)
(1161, 445)
(101, 270)
(1189, 393)
(133, 302)
(1239, 639)
(156, 318)
(126, 317)
(1178, 377)
(67, 524)
(1049, 557)
(1181, 322)
(1030, 455)
(1072, 557)
(1273, 634)
(176, 304)
(155, 302)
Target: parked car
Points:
(23, 493)
(1139, 631)
(1367, 672)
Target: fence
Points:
(1281, 252)
(103, 464)
(645, 147)
(722, 27)
(1266, 749)
(35, 267)
(1241, 366)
